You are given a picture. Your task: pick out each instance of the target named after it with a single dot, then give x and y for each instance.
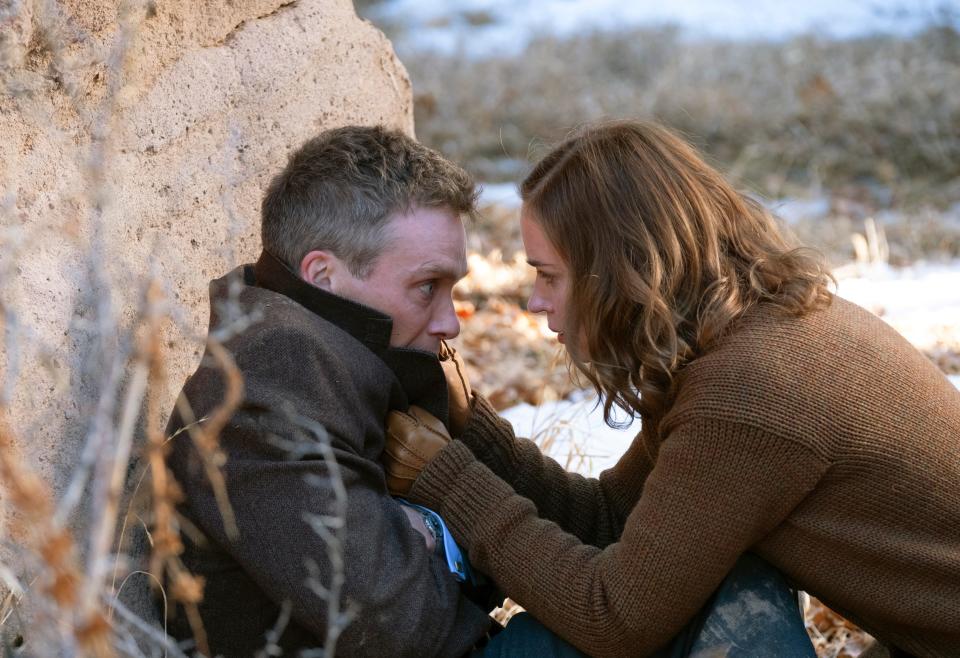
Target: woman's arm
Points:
(717, 489)
(593, 509)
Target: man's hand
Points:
(418, 524)
(414, 438)
(458, 388)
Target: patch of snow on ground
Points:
(922, 302)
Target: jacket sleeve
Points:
(717, 489)
(592, 509)
(406, 601)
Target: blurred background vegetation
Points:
(829, 130)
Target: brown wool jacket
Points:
(826, 444)
(312, 360)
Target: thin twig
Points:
(93, 449)
(161, 638)
(332, 528)
(110, 477)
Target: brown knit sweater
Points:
(826, 444)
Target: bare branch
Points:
(97, 438)
(271, 648)
(113, 467)
(161, 639)
(332, 529)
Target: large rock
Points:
(198, 104)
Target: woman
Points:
(776, 419)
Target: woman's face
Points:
(551, 288)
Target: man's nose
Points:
(446, 324)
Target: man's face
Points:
(412, 280)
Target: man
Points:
(340, 321)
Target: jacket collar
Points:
(368, 325)
(418, 372)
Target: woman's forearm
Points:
(585, 507)
(706, 502)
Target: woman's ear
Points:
(317, 267)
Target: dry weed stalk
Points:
(165, 562)
(112, 464)
(205, 435)
(871, 247)
(331, 528)
(166, 526)
(52, 544)
(80, 603)
(81, 600)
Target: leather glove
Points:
(413, 438)
(458, 388)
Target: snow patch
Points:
(921, 302)
(573, 432)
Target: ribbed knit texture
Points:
(826, 444)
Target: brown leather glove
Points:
(458, 388)
(414, 438)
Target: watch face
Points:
(431, 522)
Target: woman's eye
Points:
(548, 279)
(427, 288)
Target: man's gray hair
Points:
(340, 189)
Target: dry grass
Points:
(64, 595)
(911, 236)
(70, 558)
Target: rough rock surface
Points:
(198, 105)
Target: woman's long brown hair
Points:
(663, 254)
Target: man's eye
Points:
(427, 288)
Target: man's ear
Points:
(317, 268)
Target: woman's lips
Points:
(560, 336)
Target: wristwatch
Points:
(433, 524)
(444, 544)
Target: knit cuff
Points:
(491, 438)
(467, 495)
(439, 476)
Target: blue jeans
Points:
(753, 613)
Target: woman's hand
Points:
(413, 438)
(459, 392)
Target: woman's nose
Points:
(537, 304)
